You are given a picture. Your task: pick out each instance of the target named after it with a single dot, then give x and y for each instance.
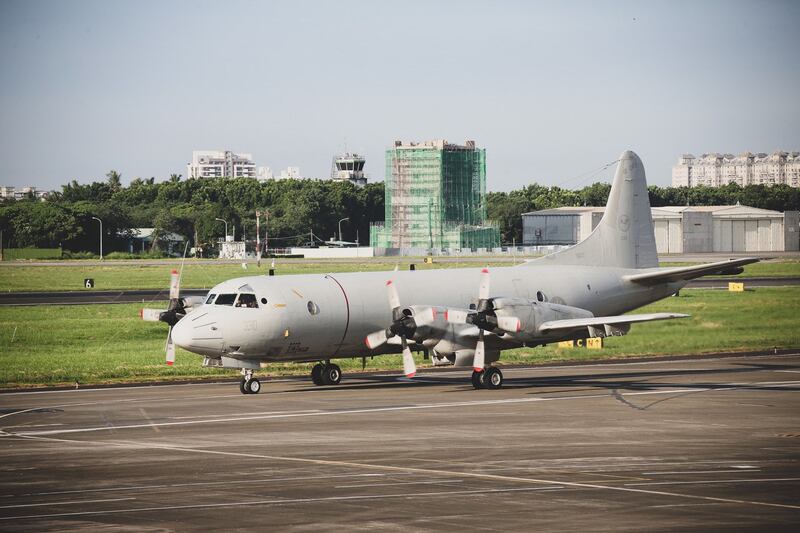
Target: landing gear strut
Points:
(326, 374)
(249, 384)
(490, 378)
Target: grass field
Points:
(52, 345)
(205, 274)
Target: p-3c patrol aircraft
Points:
(463, 316)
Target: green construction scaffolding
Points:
(435, 198)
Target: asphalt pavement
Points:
(690, 444)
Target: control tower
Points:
(349, 167)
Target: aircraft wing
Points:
(601, 321)
(685, 273)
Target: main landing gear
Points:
(490, 378)
(326, 373)
(249, 384)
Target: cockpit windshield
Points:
(210, 299)
(225, 299)
(247, 300)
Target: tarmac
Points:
(692, 444)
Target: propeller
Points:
(175, 311)
(484, 318)
(404, 324)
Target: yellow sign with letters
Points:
(736, 287)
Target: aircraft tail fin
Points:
(624, 237)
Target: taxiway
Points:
(663, 445)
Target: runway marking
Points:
(763, 480)
(299, 414)
(284, 502)
(76, 502)
(427, 472)
(696, 472)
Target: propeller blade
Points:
(376, 339)
(511, 324)
(170, 348)
(394, 298)
(174, 285)
(425, 317)
(409, 368)
(480, 354)
(456, 316)
(150, 315)
(483, 288)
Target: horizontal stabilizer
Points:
(600, 321)
(685, 273)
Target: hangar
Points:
(678, 229)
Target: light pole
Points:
(226, 227)
(340, 227)
(101, 236)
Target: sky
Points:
(552, 90)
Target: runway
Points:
(709, 444)
(148, 296)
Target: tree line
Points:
(297, 208)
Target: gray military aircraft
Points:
(465, 317)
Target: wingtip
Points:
(170, 363)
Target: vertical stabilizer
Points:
(624, 236)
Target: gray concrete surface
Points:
(709, 444)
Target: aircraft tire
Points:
(244, 387)
(316, 374)
(477, 379)
(331, 374)
(254, 386)
(493, 378)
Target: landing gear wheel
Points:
(331, 375)
(477, 379)
(254, 386)
(244, 386)
(316, 374)
(493, 378)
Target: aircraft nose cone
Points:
(182, 334)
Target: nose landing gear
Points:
(249, 384)
(326, 374)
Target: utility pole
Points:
(258, 238)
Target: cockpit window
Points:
(246, 300)
(225, 299)
(210, 299)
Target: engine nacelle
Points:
(532, 314)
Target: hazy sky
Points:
(550, 89)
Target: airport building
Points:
(349, 167)
(713, 170)
(435, 198)
(678, 229)
(220, 164)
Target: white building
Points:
(19, 193)
(264, 174)
(220, 164)
(678, 229)
(713, 170)
(291, 173)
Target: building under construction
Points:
(435, 198)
